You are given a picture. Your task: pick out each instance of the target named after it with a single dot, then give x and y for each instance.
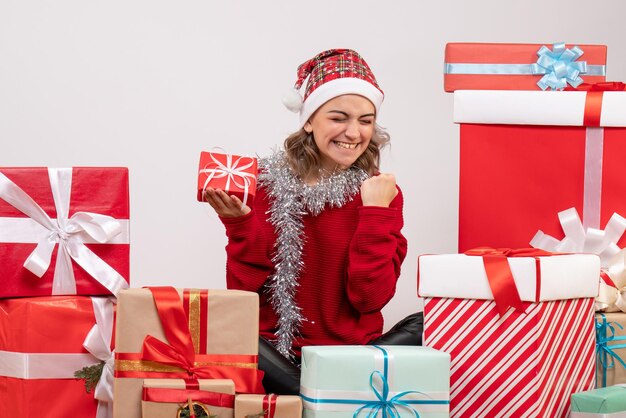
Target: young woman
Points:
(322, 244)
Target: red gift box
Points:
(41, 347)
(68, 226)
(527, 156)
(489, 66)
(514, 363)
(234, 174)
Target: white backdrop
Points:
(149, 84)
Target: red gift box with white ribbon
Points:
(234, 174)
(63, 231)
(43, 342)
(527, 156)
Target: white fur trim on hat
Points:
(339, 87)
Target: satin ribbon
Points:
(557, 66)
(269, 405)
(605, 334)
(500, 277)
(387, 406)
(580, 240)
(593, 99)
(232, 171)
(179, 355)
(43, 365)
(64, 365)
(594, 144)
(594, 241)
(222, 400)
(67, 232)
(612, 292)
(98, 343)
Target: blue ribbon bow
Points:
(559, 67)
(605, 334)
(387, 406)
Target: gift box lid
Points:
(604, 400)
(508, 66)
(537, 279)
(555, 108)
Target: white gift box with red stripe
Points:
(522, 363)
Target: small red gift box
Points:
(236, 175)
(42, 345)
(527, 157)
(63, 231)
(490, 66)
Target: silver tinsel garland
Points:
(291, 199)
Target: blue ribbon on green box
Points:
(605, 334)
(384, 404)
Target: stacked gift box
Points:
(64, 250)
(525, 337)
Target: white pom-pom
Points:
(293, 100)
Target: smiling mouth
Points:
(345, 145)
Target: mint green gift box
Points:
(608, 402)
(338, 381)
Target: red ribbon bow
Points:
(500, 277)
(593, 101)
(180, 352)
(604, 86)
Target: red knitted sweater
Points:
(352, 257)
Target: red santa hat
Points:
(332, 73)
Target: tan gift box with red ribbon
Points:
(268, 406)
(164, 332)
(164, 398)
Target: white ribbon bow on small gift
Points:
(68, 232)
(231, 170)
(594, 241)
(98, 343)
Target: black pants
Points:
(283, 377)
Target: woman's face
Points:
(342, 128)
